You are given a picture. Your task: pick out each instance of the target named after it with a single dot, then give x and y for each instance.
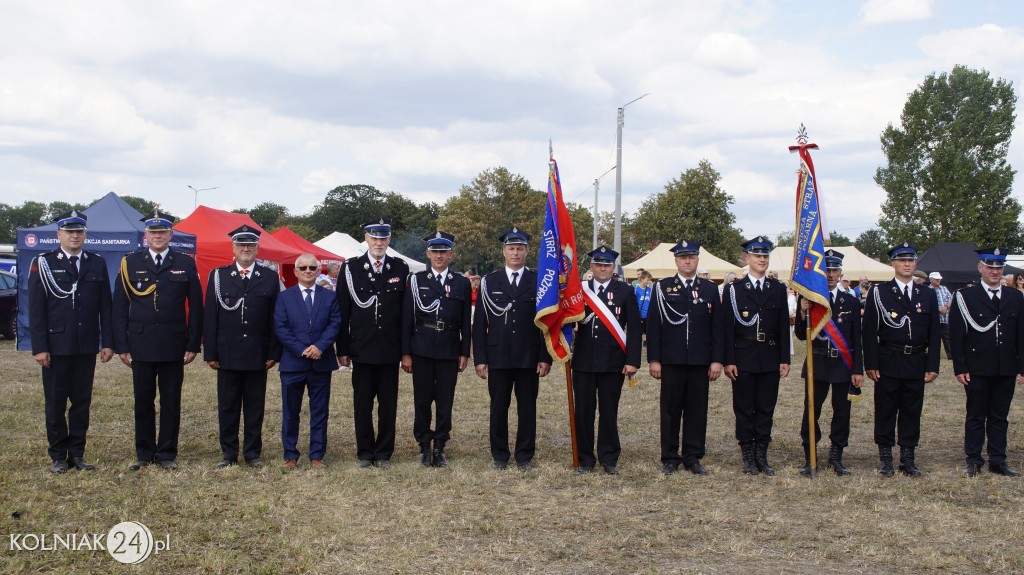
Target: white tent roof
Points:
(345, 245)
(855, 264)
(662, 263)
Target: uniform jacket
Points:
(846, 315)
(242, 339)
(771, 307)
(921, 329)
(296, 330)
(595, 349)
(699, 340)
(78, 324)
(445, 332)
(165, 324)
(512, 340)
(993, 352)
(372, 334)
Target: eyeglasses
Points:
(307, 268)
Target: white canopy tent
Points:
(661, 262)
(345, 245)
(855, 264)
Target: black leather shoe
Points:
(499, 464)
(972, 470)
(79, 463)
(524, 465)
(255, 462)
(805, 470)
(364, 463)
(584, 469)
(439, 459)
(610, 469)
(696, 468)
(383, 463)
(885, 461)
(138, 465)
(225, 463)
(749, 467)
(424, 457)
(761, 457)
(669, 468)
(168, 464)
(1002, 469)
(907, 465)
(59, 466)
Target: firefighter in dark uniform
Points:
(239, 342)
(901, 355)
(508, 351)
(69, 321)
(685, 344)
(436, 325)
(756, 330)
(158, 330)
(830, 370)
(371, 290)
(600, 362)
(986, 334)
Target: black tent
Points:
(957, 262)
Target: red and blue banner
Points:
(809, 276)
(559, 293)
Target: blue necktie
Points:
(309, 303)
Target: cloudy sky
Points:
(274, 101)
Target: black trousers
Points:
(988, 404)
(839, 434)
(753, 401)
(241, 391)
(500, 385)
(597, 391)
(684, 398)
(375, 382)
(68, 379)
(147, 377)
(433, 382)
(944, 334)
(898, 403)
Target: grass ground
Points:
(471, 519)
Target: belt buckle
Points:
(833, 352)
(908, 349)
(761, 336)
(439, 326)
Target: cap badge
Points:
(996, 251)
(515, 230)
(906, 245)
(684, 243)
(437, 235)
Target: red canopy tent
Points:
(296, 241)
(213, 245)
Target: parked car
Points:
(8, 304)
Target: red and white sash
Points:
(607, 317)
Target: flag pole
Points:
(810, 398)
(572, 415)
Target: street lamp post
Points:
(618, 178)
(195, 204)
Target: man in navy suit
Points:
(239, 342)
(901, 355)
(986, 334)
(306, 322)
(69, 319)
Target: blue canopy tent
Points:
(114, 230)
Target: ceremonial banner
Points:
(809, 279)
(559, 295)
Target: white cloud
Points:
(891, 11)
(990, 46)
(728, 53)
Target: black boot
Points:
(439, 459)
(835, 460)
(761, 457)
(749, 467)
(907, 465)
(425, 454)
(885, 461)
(806, 469)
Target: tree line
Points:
(946, 179)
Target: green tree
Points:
(872, 243)
(143, 205)
(58, 208)
(946, 177)
(347, 208)
(27, 215)
(693, 207)
(266, 215)
(786, 238)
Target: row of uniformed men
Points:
(693, 337)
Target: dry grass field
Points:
(473, 519)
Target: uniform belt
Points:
(438, 325)
(761, 336)
(830, 352)
(906, 349)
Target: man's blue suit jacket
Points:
(296, 331)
